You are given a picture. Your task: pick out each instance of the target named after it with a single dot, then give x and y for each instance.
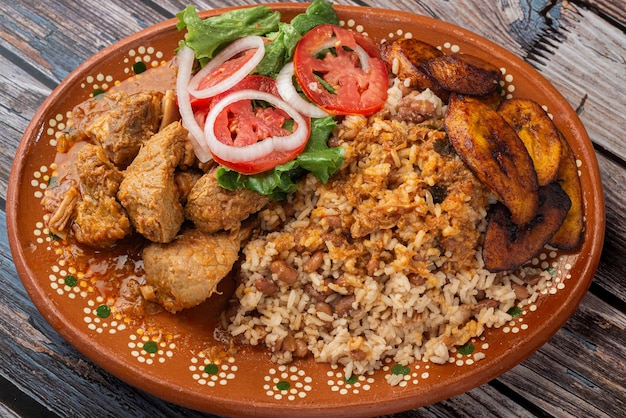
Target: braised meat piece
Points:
(120, 122)
(148, 191)
(84, 200)
(60, 202)
(185, 272)
(184, 182)
(212, 208)
(98, 219)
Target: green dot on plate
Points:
(139, 67)
(70, 280)
(466, 349)
(282, 385)
(515, 311)
(103, 311)
(399, 369)
(211, 369)
(150, 347)
(350, 380)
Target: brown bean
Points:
(301, 349)
(372, 266)
(334, 221)
(284, 272)
(333, 141)
(485, 303)
(277, 346)
(342, 281)
(357, 355)
(314, 262)
(532, 280)
(266, 286)
(311, 291)
(521, 292)
(289, 344)
(417, 279)
(344, 305)
(324, 308)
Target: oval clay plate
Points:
(177, 357)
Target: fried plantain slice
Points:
(494, 153)
(492, 99)
(537, 131)
(464, 74)
(405, 56)
(508, 246)
(570, 234)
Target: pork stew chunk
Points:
(84, 201)
(185, 272)
(212, 208)
(123, 123)
(148, 191)
(100, 219)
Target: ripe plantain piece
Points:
(405, 56)
(538, 133)
(493, 99)
(464, 74)
(494, 153)
(508, 246)
(570, 234)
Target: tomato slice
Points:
(245, 122)
(201, 107)
(261, 164)
(341, 81)
(218, 75)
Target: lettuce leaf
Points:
(316, 158)
(207, 36)
(279, 51)
(318, 13)
(284, 42)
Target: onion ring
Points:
(185, 59)
(286, 89)
(240, 45)
(261, 148)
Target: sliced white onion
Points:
(185, 58)
(364, 58)
(259, 149)
(286, 89)
(240, 45)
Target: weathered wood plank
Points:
(47, 37)
(613, 10)
(571, 368)
(20, 96)
(610, 274)
(589, 61)
(6, 412)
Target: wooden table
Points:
(578, 46)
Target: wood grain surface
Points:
(579, 46)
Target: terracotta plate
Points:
(171, 356)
